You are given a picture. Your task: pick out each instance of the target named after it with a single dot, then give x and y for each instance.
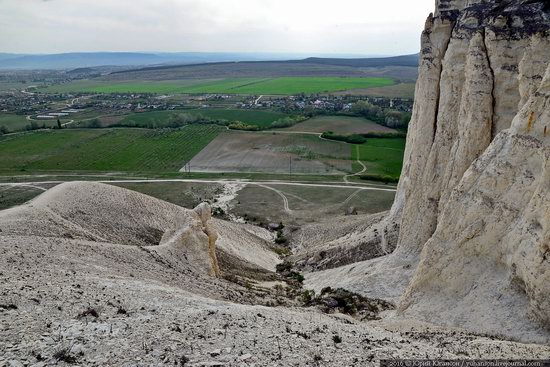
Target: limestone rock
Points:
(473, 198)
(473, 201)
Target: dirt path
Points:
(358, 161)
(349, 198)
(281, 194)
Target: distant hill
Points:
(405, 60)
(76, 60)
(402, 68)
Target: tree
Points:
(94, 124)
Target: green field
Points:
(15, 122)
(125, 150)
(255, 86)
(161, 118)
(381, 156)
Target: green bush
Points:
(238, 125)
(287, 122)
(283, 267)
(382, 135)
(94, 124)
(351, 139)
(308, 296)
(379, 178)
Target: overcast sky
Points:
(384, 27)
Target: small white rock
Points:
(245, 357)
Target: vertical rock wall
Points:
(474, 198)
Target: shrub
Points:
(218, 212)
(379, 178)
(351, 139)
(183, 360)
(296, 276)
(283, 267)
(282, 251)
(89, 312)
(94, 124)
(382, 135)
(34, 126)
(287, 122)
(238, 125)
(308, 296)
(64, 354)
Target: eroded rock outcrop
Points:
(473, 200)
(99, 213)
(474, 197)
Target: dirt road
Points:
(287, 183)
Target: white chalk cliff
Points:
(473, 202)
(474, 199)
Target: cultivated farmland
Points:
(270, 152)
(129, 150)
(161, 118)
(255, 86)
(339, 125)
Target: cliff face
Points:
(474, 198)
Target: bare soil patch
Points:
(339, 124)
(235, 151)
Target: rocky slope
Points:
(473, 247)
(143, 291)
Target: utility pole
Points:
(290, 166)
